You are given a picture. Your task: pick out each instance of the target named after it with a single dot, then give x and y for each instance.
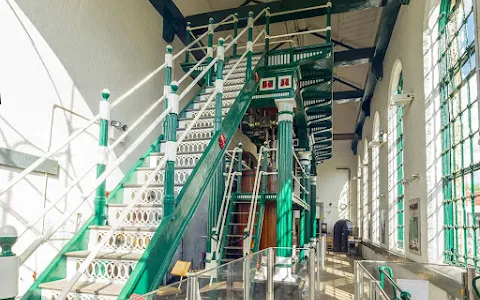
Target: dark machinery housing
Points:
(341, 231)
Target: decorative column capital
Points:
(305, 158)
(285, 104)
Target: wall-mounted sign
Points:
(285, 82)
(267, 84)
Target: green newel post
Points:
(100, 202)
(170, 151)
(329, 21)
(217, 182)
(187, 41)
(210, 51)
(267, 29)
(313, 205)
(239, 168)
(284, 181)
(235, 33)
(305, 161)
(168, 80)
(248, 72)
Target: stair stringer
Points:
(152, 267)
(259, 222)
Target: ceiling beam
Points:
(342, 136)
(353, 57)
(384, 34)
(339, 6)
(346, 83)
(337, 43)
(347, 96)
(174, 23)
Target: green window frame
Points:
(396, 167)
(459, 132)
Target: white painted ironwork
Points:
(122, 241)
(138, 216)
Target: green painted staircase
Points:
(129, 263)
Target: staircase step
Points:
(207, 113)
(181, 160)
(85, 290)
(180, 176)
(233, 247)
(140, 215)
(107, 266)
(235, 235)
(152, 195)
(197, 105)
(226, 88)
(203, 97)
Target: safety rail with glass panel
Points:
(249, 277)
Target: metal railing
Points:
(241, 275)
(97, 248)
(227, 197)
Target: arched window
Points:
(396, 196)
(459, 132)
(360, 215)
(367, 216)
(376, 180)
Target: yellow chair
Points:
(181, 269)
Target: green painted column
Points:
(305, 161)
(210, 51)
(170, 151)
(239, 168)
(235, 33)
(267, 29)
(313, 205)
(187, 41)
(284, 183)
(100, 202)
(329, 21)
(217, 183)
(248, 72)
(168, 80)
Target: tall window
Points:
(367, 216)
(360, 215)
(376, 181)
(459, 132)
(395, 167)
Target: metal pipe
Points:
(192, 287)
(323, 251)
(311, 274)
(468, 277)
(319, 265)
(270, 268)
(357, 273)
(246, 277)
(476, 16)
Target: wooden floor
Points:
(337, 281)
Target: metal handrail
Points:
(222, 216)
(50, 231)
(115, 103)
(87, 261)
(474, 285)
(273, 43)
(404, 295)
(224, 21)
(253, 205)
(78, 179)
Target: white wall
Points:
(417, 52)
(65, 53)
(336, 186)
